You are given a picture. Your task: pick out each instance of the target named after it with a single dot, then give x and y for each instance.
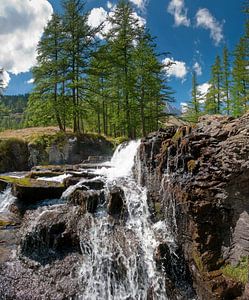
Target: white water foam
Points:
(6, 199)
(109, 247)
(59, 178)
(122, 161)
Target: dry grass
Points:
(29, 133)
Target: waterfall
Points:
(119, 254)
(6, 199)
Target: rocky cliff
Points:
(197, 179)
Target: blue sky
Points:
(193, 31)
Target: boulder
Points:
(88, 200)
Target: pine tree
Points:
(214, 96)
(226, 81)
(120, 39)
(150, 88)
(46, 74)
(240, 86)
(78, 47)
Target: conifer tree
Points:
(78, 47)
(240, 92)
(214, 96)
(46, 74)
(120, 39)
(226, 81)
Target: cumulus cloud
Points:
(30, 81)
(4, 79)
(109, 5)
(175, 68)
(207, 21)
(203, 88)
(184, 107)
(139, 3)
(197, 68)
(99, 15)
(22, 24)
(178, 10)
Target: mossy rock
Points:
(239, 272)
(29, 190)
(14, 155)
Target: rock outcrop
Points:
(197, 179)
(21, 155)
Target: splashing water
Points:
(119, 254)
(6, 199)
(122, 161)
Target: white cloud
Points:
(207, 21)
(22, 24)
(30, 81)
(175, 68)
(197, 68)
(99, 15)
(203, 88)
(184, 107)
(109, 5)
(139, 3)
(4, 78)
(178, 10)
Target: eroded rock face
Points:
(197, 179)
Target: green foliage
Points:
(229, 87)
(12, 110)
(117, 88)
(240, 88)
(239, 272)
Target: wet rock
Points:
(88, 184)
(3, 185)
(115, 205)
(49, 234)
(47, 243)
(88, 200)
(36, 191)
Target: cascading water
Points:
(6, 199)
(119, 254)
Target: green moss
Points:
(191, 165)
(29, 182)
(178, 135)
(20, 181)
(118, 140)
(4, 223)
(198, 261)
(239, 272)
(158, 210)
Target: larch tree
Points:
(78, 47)
(47, 73)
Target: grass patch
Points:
(29, 182)
(25, 181)
(239, 272)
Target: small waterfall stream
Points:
(6, 199)
(119, 255)
(123, 251)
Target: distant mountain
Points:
(171, 110)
